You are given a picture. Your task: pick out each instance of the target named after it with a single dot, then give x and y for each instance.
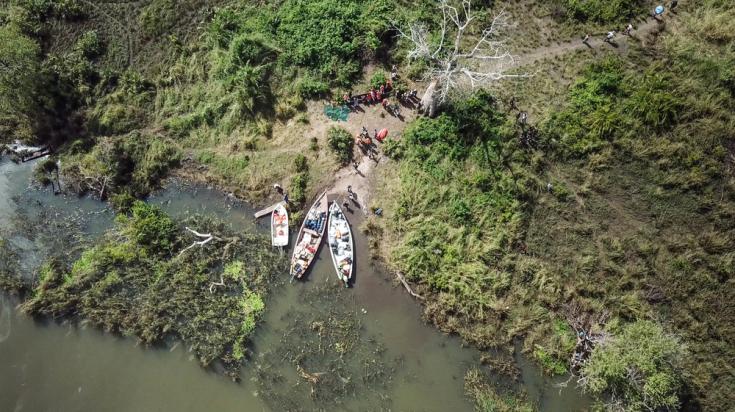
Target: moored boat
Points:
(341, 243)
(310, 237)
(279, 226)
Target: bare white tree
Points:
(464, 58)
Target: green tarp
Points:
(337, 113)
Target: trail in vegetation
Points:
(620, 44)
(375, 117)
(372, 118)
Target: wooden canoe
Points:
(279, 226)
(310, 237)
(341, 243)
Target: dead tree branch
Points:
(454, 66)
(402, 278)
(206, 238)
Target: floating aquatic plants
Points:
(327, 360)
(142, 280)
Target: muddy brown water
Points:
(50, 366)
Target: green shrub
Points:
(308, 87)
(149, 227)
(159, 17)
(639, 366)
(378, 79)
(297, 189)
(300, 163)
(120, 118)
(393, 148)
(550, 363)
(416, 69)
(225, 24)
(331, 50)
(341, 143)
(602, 11)
(89, 45)
(44, 171)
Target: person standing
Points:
(673, 4)
(628, 29)
(610, 36)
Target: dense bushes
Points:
(611, 107)
(329, 36)
(640, 367)
(341, 143)
(139, 281)
(602, 11)
(132, 163)
(453, 231)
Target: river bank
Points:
(414, 357)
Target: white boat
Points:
(279, 226)
(341, 243)
(310, 237)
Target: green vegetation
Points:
(621, 205)
(341, 143)
(141, 281)
(602, 11)
(618, 201)
(299, 182)
(639, 366)
(20, 86)
(133, 163)
(487, 398)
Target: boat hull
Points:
(310, 238)
(279, 226)
(341, 243)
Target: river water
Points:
(50, 366)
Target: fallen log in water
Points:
(407, 286)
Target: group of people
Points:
(610, 36)
(373, 96)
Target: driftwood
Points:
(312, 378)
(220, 283)
(206, 238)
(407, 286)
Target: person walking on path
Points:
(349, 188)
(610, 36)
(628, 30)
(586, 39)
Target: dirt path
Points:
(641, 33)
(373, 118)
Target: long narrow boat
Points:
(310, 237)
(341, 243)
(279, 226)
